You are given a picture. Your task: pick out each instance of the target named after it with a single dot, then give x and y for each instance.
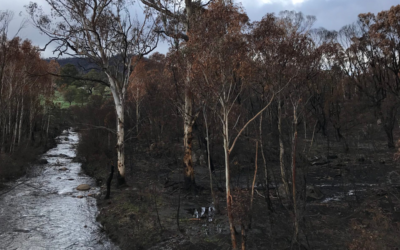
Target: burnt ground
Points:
(359, 207)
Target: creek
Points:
(44, 210)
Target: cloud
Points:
(330, 14)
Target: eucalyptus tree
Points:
(104, 32)
(177, 18)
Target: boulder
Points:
(63, 169)
(314, 193)
(83, 187)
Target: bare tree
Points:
(104, 32)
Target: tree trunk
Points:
(20, 121)
(187, 141)
(120, 144)
(216, 205)
(14, 135)
(244, 237)
(48, 122)
(389, 134)
(294, 142)
(228, 179)
(118, 97)
(282, 149)
(137, 111)
(266, 175)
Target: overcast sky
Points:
(330, 14)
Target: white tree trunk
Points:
(187, 141)
(227, 176)
(118, 97)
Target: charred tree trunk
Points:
(266, 175)
(110, 177)
(294, 195)
(282, 149)
(389, 133)
(20, 121)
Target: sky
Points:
(330, 14)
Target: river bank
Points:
(44, 209)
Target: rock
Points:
(66, 139)
(71, 179)
(314, 193)
(83, 187)
(63, 155)
(42, 161)
(63, 169)
(79, 197)
(378, 122)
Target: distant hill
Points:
(82, 64)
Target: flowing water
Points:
(45, 211)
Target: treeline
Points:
(26, 93)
